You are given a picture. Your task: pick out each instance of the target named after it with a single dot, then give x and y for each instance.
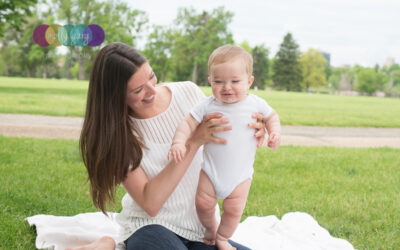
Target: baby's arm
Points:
(273, 125)
(182, 134)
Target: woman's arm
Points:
(152, 194)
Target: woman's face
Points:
(141, 91)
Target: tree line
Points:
(177, 51)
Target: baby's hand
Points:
(274, 140)
(177, 152)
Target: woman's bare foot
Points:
(209, 237)
(104, 243)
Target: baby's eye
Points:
(217, 81)
(236, 81)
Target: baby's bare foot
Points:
(104, 243)
(224, 245)
(209, 237)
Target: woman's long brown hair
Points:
(107, 143)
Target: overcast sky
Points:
(362, 32)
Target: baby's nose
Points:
(228, 85)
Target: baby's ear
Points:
(209, 80)
(251, 80)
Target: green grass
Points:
(39, 177)
(354, 193)
(68, 98)
(42, 96)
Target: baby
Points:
(228, 168)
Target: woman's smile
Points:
(149, 99)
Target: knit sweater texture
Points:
(178, 213)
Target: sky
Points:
(364, 32)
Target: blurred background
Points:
(335, 46)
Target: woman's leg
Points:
(233, 206)
(154, 237)
(206, 200)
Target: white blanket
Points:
(295, 230)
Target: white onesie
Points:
(228, 165)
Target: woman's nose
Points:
(151, 87)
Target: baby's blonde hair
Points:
(229, 52)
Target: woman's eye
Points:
(138, 91)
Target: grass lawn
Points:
(42, 96)
(68, 98)
(354, 193)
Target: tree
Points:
(246, 46)
(395, 76)
(334, 78)
(119, 22)
(392, 87)
(369, 81)
(287, 70)
(366, 81)
(260, 66)
(328, 70)
(14, 12)
(195, 37)
(394, 67)
(393, 72)
(376, 68)
(313, 69)
(21, 55)
(9, 50)
(342, 79)
(11, 63)
(158, 51)
(34, 56)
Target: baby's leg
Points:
(233, 206)
(206, 200)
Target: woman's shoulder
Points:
(186, 88)
(180, 85)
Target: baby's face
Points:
(230, 81)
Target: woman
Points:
(126, 136)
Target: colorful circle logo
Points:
(68, 35)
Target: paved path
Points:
(69, 127)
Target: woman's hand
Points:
(260, 128)
(211, 124)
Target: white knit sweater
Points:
(178, 213)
